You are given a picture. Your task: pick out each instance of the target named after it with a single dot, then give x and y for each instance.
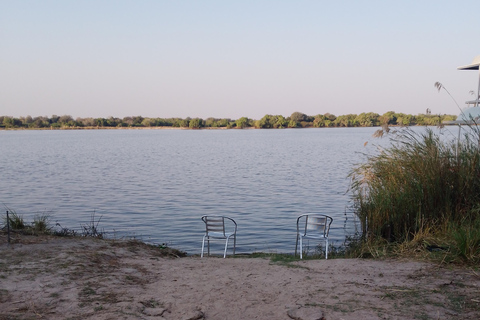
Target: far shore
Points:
(187, 128)
(121, 128)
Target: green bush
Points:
(466, 240)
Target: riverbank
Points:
(85, 278)
(187, 128)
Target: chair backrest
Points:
(217, 224)
(314, 224)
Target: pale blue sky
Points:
(229, 59)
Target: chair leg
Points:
(301, 248)
(208, 246)
(234, 243)
(296, 245)
(326, 249)
(203, 246)
(225, 252)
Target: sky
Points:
(232, 59)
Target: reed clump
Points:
(421, 193)
(16, 223)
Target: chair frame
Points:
(318, 230)
(215, 229)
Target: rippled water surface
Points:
(156, 184)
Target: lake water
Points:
(156, 184)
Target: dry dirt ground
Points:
(85, 278)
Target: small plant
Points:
(91, 229)
(64, 232)
(41, 223)
(15, 220)
(87, 291)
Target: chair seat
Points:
(314, 236)
(219, 235)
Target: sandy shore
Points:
(79, 278)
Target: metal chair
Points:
(215, 229)
(313, 226)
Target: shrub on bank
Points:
(426, 187)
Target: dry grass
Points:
(423, 191)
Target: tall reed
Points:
(421, 182)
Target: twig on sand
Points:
(474, 273)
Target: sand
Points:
(85, 278)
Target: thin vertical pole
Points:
(458, 142)
(478, 91)
(8, 227)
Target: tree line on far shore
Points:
(295, 120)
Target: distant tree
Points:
(54, 119)
(319, 121)
(128, 121)
(160, 122)
(86, 122)
(40, 122)
(169, 122)
(329, 116)
(265, 122)
(210, 122)
(100, 122)
(148, 122)
(293, 124)
(419, 119)
(183, 123)
(367, 119)
(225, 122)
(195, 123)
(298, 117)
(279, 122)
(65, 119)
(137, 121)
(8, 122)
(432, 120)
(447, 117)
(113, 122)
(348, 120)
(388, 118)
(403, 119)
(28, 119)
(242, 123)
